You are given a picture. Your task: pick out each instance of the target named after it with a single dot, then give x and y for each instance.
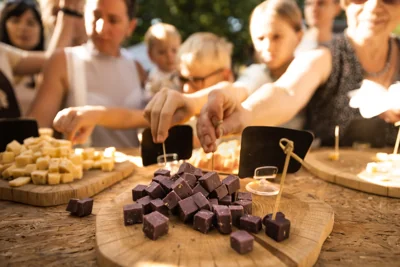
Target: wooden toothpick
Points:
(396, 146)
(288, 149)
(337, 140)
(165, 154)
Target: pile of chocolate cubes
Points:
(200, 199)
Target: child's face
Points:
(163, 53)
(274, 40)
(197, 77)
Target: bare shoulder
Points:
(56, 68)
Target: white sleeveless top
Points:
(98, 79)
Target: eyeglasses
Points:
(195, 80)
(388, 2)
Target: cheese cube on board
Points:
(39, 177)
(14, 146)
(66, 178)
(23, 160)
(53, 178)
(19, 181)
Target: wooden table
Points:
(366, 230)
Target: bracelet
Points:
(71, 12)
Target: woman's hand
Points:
(77, 123)
(391, 116)
(222, 115)
(166, 109)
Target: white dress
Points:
(98, 79)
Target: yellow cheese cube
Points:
(87, 164)
(109, 152)
(88, 153)
(97, 164)
(46, 132)
(19, 181)
(30, 141)
(63, 151)
(23, 160)
(53, 178)
(8, 157)
(78, 172)
(35, 147)
(3, 167)
(63, 143)
(27, 152)
(78, 151)
(18, 172)
(54, 167)
(42, 163)
(7, 173)
(66, 178)
(39, 177)
(14, 146)
(107, 165)
(22, 149)
(66, 166)
(76, 159)
(98, 155)
(36, 155)
(29, 169)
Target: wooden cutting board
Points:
(349, 171)
(93, 182)
(119, 245)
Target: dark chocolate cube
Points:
(155, 225)
(201, 201)
(187, 209)
(190, 179)
(133, 213)
(237, 211)
(159, 178)
(219, 192)
(154, 190)
(186, 167)
(213, 201)
(244, 196)
(198, 173)
(250, 223)
(145, 201)
(232, 183)
(139, 192)
(166, 185)
(203, 221)
(171, 200)
(210, 181)
(269, 217)
(162, 172)
(226, 200)
(158, 205)
(246, 204)
(199, 188)
(278, 229)
(242, 242)
(223, 219)
(85, 207)
(182, 188)
(72, 205)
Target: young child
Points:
(163, 41)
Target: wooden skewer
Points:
(221, 132)
(397, 124)
(212, 162)
(337, 140)
(396, 146)
(288, 149)
(165, 154)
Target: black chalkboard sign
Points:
(16, 129)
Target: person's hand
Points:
(166, 109)
(77, 123)
(391, 116)
(222, 115)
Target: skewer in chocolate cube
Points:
(203, 221)
(145, 201)
(162, 172)
(242, 242)
(155, 225)
(182, 188)
(190, 179)
(219, 192)
(232, 183)
(171, 200)
(199, 188)
(223, 219)
(237, 211)
(139, 192)
(278, 229)
(85, 207)
(226, 200)
(133, 213)
(201, 201)
(246, 204)
(159, 178)
(186, 167)
(187, 209)
(244, 196)
(250, 223)
(269, 216)
(154, 190)
(210, 181)
(158, 205)
(73, 205)
(198, 173)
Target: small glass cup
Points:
(262, 186)
(169, 162)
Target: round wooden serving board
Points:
(119, 245)
(349, 171)
(92, 182)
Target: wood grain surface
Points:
(348, 171)
(119, 245)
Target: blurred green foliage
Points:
(397, 30)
